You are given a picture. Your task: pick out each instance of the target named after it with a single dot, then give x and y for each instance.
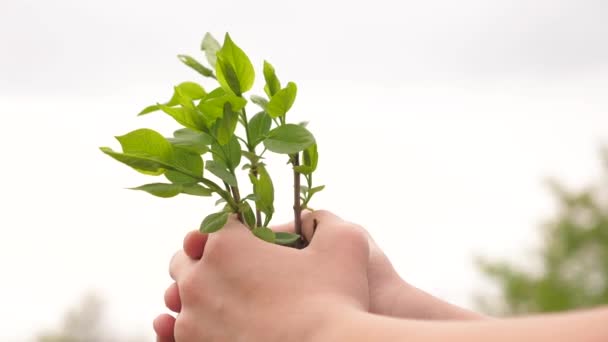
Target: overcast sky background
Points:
(453, 112)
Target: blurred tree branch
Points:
(573, 258)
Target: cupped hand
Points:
(237, 287)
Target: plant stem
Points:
(227, 187)
(237, 198)
(246, 125)
(258, 217)
(297, 205)
(224, 194)
(258, 212)
(233, 202)
(254, 165)
(309, 184)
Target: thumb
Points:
(233, 230)
(329, 233)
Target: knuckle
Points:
(355, 237)
(359, 228)
(185, 328)
(189, 287)
(216, 250)
(322, 213)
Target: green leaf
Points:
(144, 164)
(228, 75)
(150, 153)
(233, 68)
(226, 125)
(152, 108)
(311, 159)
(210, 46)
(194, 64)
(263, 190)
(212, 105)
(250, 197)
(303, 169)
(248, 214)
(265, 234)
(254, 158)
(221, 172)
(229, 154)
(144, 150)
(187, 117)
(315, 190)
(196, 190)
(272, 82)
(214, 222)
(311, 156)
(281, 102)
(196, 142)
(259, 126)
(176, 177)
(147, 142)
(260, 101)
(285, 238)
(184, 97)
(170, 190)
(160, 189)
(184, 159)
(288, 139)
(190, 89)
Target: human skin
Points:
(242, 287)
(216, 297)
(389, 294)
(346, 324)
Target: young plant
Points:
(209, 144)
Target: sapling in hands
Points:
(209, 143)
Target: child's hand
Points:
(242, 288)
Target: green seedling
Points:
(218, 141)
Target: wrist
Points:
(413, 303)
(358, 325)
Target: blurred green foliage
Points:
(570, 270)
(84, 323)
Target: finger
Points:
(233, 220)
(172, 300)
(331, 234)
(319, 220)
(164, 326)
(194, 244)
(180, 262)
(232, 228)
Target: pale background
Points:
(437, 123)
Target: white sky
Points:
(455, 113)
